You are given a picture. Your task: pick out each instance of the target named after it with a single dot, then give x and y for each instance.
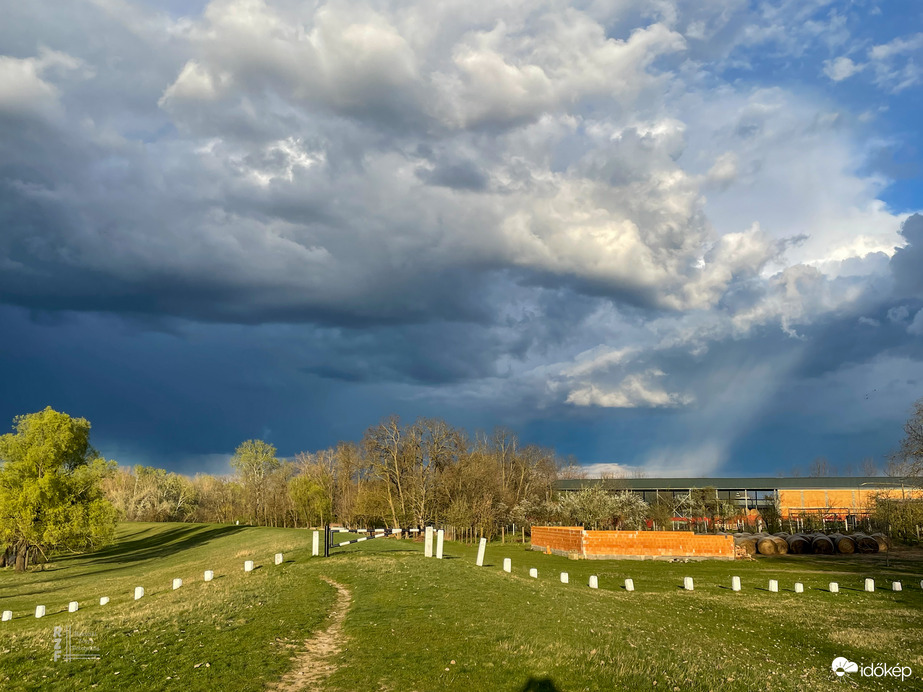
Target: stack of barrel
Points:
(811, 543)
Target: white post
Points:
(72, 607)
(629, 584)
(279, 558)
(564, 578)
(834, 587)
(869, 585)
(177, 583)
(315, 544)
(687, 583)
(428, 546)
(481, 548)
(39, 611)
(896, 586)
(534, 574)
(104, 600)
(139, 592)
(799, 587)
(774, 585)
(735, 583)
(440, 539)
(7, 615)
(507, 565)
(248, 565)
(209, 575)
(594, 582)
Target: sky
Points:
(677, 237)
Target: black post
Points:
(888, 557)
(326, 540)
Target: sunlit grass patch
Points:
(427, 624)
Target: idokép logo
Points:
(841, 666)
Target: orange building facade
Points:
(834, 498)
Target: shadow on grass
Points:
(540, 685)
(160, 544)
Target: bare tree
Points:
(869, 467)
(384, 444)
(907, 461)
(820, 468)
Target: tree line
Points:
(397, 475)
(57, 493)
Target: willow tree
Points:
(50, 491)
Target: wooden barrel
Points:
(747, 542)
(822, 545)
(843, 544)
(799, 545)
(865, 544)
(884, 543)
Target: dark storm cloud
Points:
(281, 220)
(460, 175)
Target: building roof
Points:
(826, 482)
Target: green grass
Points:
(425, 624)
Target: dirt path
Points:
(315, 664)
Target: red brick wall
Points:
(571, 540)
(598, 544)
(562, 540)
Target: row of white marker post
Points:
(688, 584)
(73, 606)
(565, 577)
(832, 587)
(249, 567)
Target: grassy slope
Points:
(411, 617)
(232, 623)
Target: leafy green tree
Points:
(50, 494)
(255, 461)
(311, 500)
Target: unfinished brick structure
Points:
(575, 542)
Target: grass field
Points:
(425, 624)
